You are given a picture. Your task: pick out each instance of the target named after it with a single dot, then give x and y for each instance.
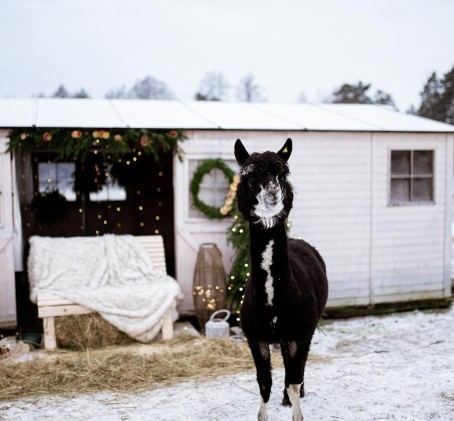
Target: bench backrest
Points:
(154, 246)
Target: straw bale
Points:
(88, 331)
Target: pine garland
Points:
(72, 144)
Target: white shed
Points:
(373, 186)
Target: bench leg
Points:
(50, 340)
(167, 326)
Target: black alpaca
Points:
(287, 290)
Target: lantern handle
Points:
(218, 312)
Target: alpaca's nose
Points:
(272, 188)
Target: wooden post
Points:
(50, 340)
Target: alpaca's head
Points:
(264, 194)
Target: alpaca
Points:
(287, 289)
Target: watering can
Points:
(218, 328)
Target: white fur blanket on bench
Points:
(112, 275)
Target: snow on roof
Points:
(116, 113)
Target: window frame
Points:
(411, 176)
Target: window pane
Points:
(65, 171)
(47, 173)
(423, 162)
(400, 162)
(422, 189)
(400, 190)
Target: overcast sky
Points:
(290, 46)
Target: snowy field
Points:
(397, 367)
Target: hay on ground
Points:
(124, 369)
(88, 331)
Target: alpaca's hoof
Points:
(286, 401)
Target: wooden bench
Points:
(51, 306)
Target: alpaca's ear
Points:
(241, 154)
(286, 150)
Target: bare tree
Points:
(117, 93)
(248, 90)
(302, 98)
(147, 88)
(213, 87)
(150, 88)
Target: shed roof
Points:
(115, 113)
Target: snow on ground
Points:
(397, 367)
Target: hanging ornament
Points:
(76, 134)
(47, 137)
(118, 138)
(144, 141)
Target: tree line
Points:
(437, 94)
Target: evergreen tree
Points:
(359, 94)
(431, 99)
(238, 237)
(383, 98)
(448, 96)
(61, 92)
(352, 94)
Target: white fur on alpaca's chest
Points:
(267, 261)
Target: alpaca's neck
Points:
(269, 258)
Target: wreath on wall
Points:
(204, 168)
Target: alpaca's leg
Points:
(295, 356)
(262, 358)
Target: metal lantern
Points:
(218, 328)
(209, 284)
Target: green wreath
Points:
(204, 168)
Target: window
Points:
(411, 177)
(111, 191)
(57, 176)
(60, 175)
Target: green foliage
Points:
(76, 144)
(49, 207)
(238, 237)
(437, 98)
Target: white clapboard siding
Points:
(408, 241)
(332, 178)
(374, 252)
